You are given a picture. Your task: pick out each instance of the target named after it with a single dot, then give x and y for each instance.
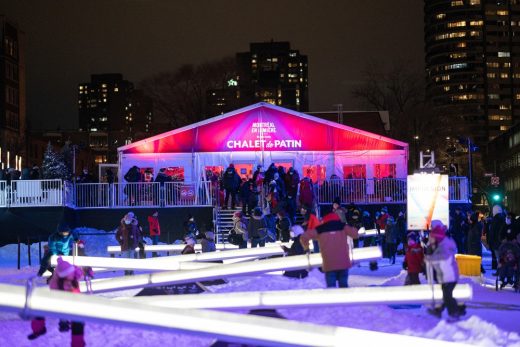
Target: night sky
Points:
(66, 41)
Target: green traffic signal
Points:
(497, 197)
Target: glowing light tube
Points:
(232, 327)
(219, 271)
(362, 232)
(132, 264)
(198, 247)
(306, 298)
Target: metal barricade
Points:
(188, 194)
(142, 194)
(22, 193)
(92, 195)
(458, 188)
(3, 194)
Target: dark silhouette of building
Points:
(12, 96)
(377, 122)
(271, 72)
(113, 113)
(473, 64)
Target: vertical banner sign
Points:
(427, 200)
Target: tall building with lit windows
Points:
(12, 96)
(113, 113)
(273, 72)
(473, 64)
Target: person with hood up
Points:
(127, 236)
(306, 192)
(59, 243)
(332, 236)
(257, 228)
(440, 254)
(295, 249)
(413, 260)
(65, 277)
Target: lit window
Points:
(446, 77)
(457, 3)
(502, 13)
(476, 23)
(457, 24)
(80, 87)
(474, 33)
(503, 54)
(461, 45)
(447, 88)
(458, 55)
(503, 127)
(474, 2)
(441, 16)
(507, 64)
(493, 96)
(456, 66)
(103, 85)
(504, 75)
(491, 75)
(517, 96)
(504, 107)
(116, 89)
(493, 64)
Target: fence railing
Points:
(27, 193)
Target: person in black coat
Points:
(474, 239)
(283, 225)
(296, 249)
(231, 183)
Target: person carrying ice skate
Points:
(440, 254)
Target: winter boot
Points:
(38, 328)
(437, 312)
(64, 326)
(77, 341)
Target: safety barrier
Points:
(30, 193)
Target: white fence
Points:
(27, 193)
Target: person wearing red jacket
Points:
(155, 229)
(334, 248)
(413, 260)
(65, 277)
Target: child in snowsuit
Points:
(440, 253)
(65, 278)
(413, 260)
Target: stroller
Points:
(508, 272)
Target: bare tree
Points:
(180, 97)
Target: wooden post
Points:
(29, 249)
(18, 252)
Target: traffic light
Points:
(497, 197)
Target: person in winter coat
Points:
(296, 249)
(207, 239)
(155, 229)
(493, 234)
(402, 236)
(508, 268)
(59, 243)
(292, 180)
(240, 228)
(246, 195)
(190, 227)
(127, 236)
(413, 260)
(65, 278)
(306, 192)
(391, 237)
(440, 253)
(231, 182)
(339, 210)
(256, 228)
(334, 248)
(310, 221)
(190, 245)
(283, 224)
(474, 237)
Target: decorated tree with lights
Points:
(54, 164)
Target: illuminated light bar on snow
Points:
(179, 248)
(362, 232)
(304, 298)
(172, 262)
(232, 327)
(131, 264)
(220, 271)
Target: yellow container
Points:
(469, 265)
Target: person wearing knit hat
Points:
(440, 255)
(413, 260)
(331, 235)
(295, 249)
(65, 278)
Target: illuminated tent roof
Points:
(263, 126)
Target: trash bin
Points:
(469, 265)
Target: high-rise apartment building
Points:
(12, 96)
(473, 65)
(113, 113)
(274, 73)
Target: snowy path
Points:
(493, 318)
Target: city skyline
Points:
(141, 38)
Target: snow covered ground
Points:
(493, 318)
